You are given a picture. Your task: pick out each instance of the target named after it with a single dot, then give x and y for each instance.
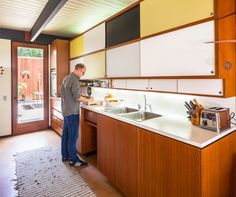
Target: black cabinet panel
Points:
(123, 28)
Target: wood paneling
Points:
(226, 52)
(219, 168)
(105, 146)
(126, 158)
(59, 56)
(123, 28)
(167, 167)
(159, 15)
(225, 8)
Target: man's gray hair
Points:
(79, 66)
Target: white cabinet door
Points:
(74, 62)
(94, 39)
(201, 86)
(95, 65)
(137, 84)
(124, 61)
(5, 88)
(166, 85)
(180, 53)
(119, 83)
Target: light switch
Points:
(4, 98)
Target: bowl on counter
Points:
(113, 102)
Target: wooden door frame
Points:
(36, 125)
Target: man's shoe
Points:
(64, 159)
(78, 163)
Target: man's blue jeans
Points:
(69, 137)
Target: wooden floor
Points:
(11, 145)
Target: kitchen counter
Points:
(169, 126)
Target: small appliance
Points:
(215, 119)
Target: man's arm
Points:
(85, 99)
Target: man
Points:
(70, 104)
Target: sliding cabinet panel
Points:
(95, 65)
(180, 53)
(160, 15)
(74, 62)
(123, 28)
(119, 83)
(5, 88)
(94, 39)
(137, 84)
(77, 47)
(167, 85)
(201, 86)
(124, 61)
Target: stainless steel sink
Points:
(140, 116)
(121, 110)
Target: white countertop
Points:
(178, 129)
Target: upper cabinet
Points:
(124, 61)
(94, 39)
(160, 15)
(95, 65)
(180, 53)
(123, 28)
(59, 58)
(77, 47)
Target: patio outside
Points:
(30, 84)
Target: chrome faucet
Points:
(145, 104)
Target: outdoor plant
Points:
(21, 86)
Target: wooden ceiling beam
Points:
(49, 11)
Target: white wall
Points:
(163, 103)
(5, 87)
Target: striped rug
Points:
(40, 172)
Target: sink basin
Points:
(140, 116)
(121, 110)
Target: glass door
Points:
(30, 87)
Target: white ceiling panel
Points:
(20, 14)
(75, 17)
(79, 15)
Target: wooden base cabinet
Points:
(167, 168)
(56, 115)
(117, 153)
(171, 168)
(87, 141)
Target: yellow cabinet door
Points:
(160, 15)
(77, 47)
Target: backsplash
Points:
(163, 103)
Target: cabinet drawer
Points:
(90, 116)
(60, 123)
(54, 119)
(54, 112)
